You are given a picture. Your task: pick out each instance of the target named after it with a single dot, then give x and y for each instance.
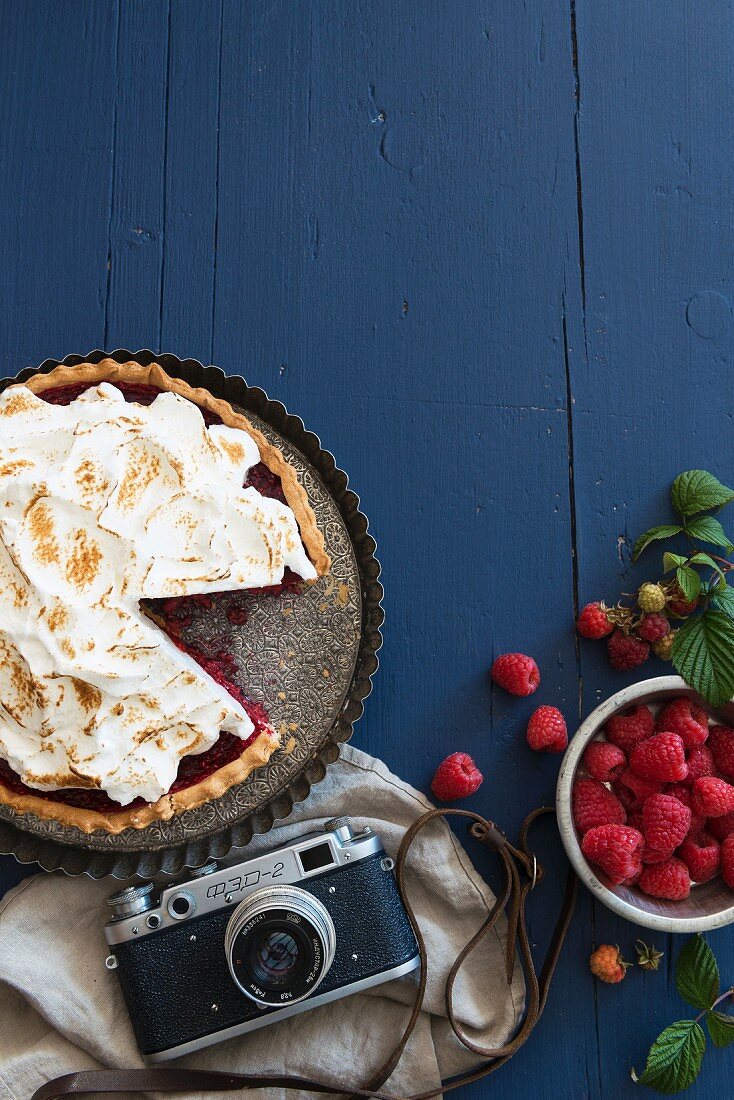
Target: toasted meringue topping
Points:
(104, 502)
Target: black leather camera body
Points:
(233, 949)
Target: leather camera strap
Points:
(522, 872)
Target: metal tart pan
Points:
(308, 657)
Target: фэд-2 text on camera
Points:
(230, 950)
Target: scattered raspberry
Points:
(626, 652)
(641, 788)
(547, 730)
(614, 848)
(516, 673)
(721, 827)
(727, 861)
(700, 762)
(593, 622)
(664, 648)
(607, 964)
(594, 804)
(661, 757)
(689, 723)
(604, 761)
(651, 597)
(666, 880)
(712, 796)
(665, 822)
(680, 606)
(456, 777)
(653, 627)
(721, 743)
(701, 855)
(628, 730)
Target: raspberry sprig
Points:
(686, 616)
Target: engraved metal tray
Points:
(308, 657)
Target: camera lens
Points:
(279, 944)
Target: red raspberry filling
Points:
(176, 613)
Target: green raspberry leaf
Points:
(696, 974)
(721, 1028)
(675, 1058)
(696, 491)
(689, 582)
(708, 529)
(724, 599)
(666, 531)
(703, 654)
(672, 561)
(706, 559)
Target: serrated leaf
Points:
(703, 654)
(696, 491)
(706, 559)
(665, 531)
(708, 529)
(670, 561)
(721, 1028)
(724, 599)
(675, 1057)
(689, 582)
(697, 974)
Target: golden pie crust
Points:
(259, 751)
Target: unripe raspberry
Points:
(664, 648)
(607, 964)
(650, 597)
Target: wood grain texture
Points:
(485, 252)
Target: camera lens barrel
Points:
(279, 945)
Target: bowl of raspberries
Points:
(645, 805)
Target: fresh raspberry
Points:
(653, 627)
(689, 722)
(701, 855)
(680, 606)
(701, 762)
(594, 804)
(593, 622)
(456, 777)
(607, 964)
(516, 673)
(660, 757)
(712, 796)
(626, 797)
(641, 788)
(664, 648)
(721, 743)
(614, 848)
(626, 652)
(666, 880)
(627, 730)
(650, 597)
(634, 818)
(665, 822)
(683, 794)
(727, 861)
(653, 855)
(547, 730)
(604, 761)
(721, 827)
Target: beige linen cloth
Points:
(61, 1010)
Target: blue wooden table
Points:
(485, 250)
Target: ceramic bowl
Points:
(710, 905)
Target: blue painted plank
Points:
(649, 366)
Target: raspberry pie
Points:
(124, 495)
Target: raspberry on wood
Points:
(626, 652)
(546, 730)
(593, 622)
(607, 964)
(516, 673)
(456, 777)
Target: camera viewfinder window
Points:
(312, 859)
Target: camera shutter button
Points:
(341, 827)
